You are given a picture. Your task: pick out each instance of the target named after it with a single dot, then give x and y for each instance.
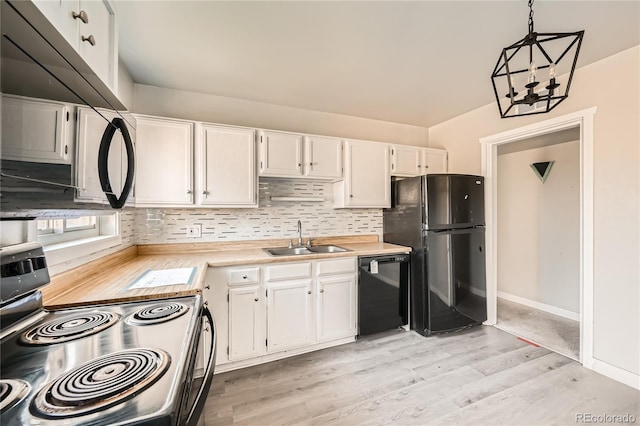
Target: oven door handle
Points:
(201, 399)
(103, 163)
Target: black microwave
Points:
(68, 143)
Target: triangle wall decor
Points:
(542, 169)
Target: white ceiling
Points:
(417, 63)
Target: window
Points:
(51, 231)
(70, 238)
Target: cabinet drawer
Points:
(243, 276)
(336, 266)
(288, 271)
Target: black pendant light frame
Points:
(533, 40)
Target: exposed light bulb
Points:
(532, 72)
(552, 70)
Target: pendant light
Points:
(526, 78)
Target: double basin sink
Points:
(297, 251)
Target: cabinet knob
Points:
(426, 167)
(90, 39)
(244, 277)
(205, 192)
(321, 290)
(208, 287)
(189, 191)
(419, 166)
(311, 164)
(206, 303)
(256, 299)
(309, 292)
(299, 164)
(81, 16)
(350, 195)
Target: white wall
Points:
(613, 86)
(539, 226)
(217, 109)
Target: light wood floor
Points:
(481, 376)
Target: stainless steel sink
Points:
(297, 251)
(327, 249)
(286, 251)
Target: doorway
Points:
(582, 124)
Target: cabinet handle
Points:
(81, 16)
(256, 299)
(90, 39)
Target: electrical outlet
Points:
(194, 231)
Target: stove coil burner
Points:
(69, 328)
(101, 383)
(11, 392)
(159, 312)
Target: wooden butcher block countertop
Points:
(107, 280)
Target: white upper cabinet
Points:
(34, 130)
(434, 160)
(322, 157)
(91, 125)
(227, 167)
(367, 181)
(406, 160)
(280, 154)
(89, 27)
(164, 163)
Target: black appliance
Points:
(383, 293)
(441, 217)
(39, 65)
(122, 363)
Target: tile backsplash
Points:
(273, 219)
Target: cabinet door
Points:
(289, 315)
(336, 307)
(406, 160)
(91, 127)
(246, 322)
(60, 14)
(101, 27)
(323, 157)
(228, 167)
(34, 130)
(280, 154)
(164, 173)
(367, 177)
(434, 161)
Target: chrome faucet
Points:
(299, 234)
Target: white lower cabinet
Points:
(289, 315)
(336, 307)
(246, 325)
(281, 309)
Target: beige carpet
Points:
(556, 333)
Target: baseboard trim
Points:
(616, 373)
(540, 306)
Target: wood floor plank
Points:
(480, 376)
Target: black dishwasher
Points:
(383, 293)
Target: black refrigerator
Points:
(441, 217)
